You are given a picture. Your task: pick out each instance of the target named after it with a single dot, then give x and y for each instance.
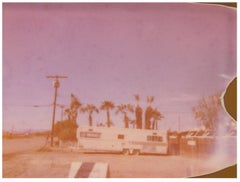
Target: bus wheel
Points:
(136, 152)
(126, 152)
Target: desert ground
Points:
(28, 158)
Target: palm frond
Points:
(106, 105)
(75, 103)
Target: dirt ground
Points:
(23, 159)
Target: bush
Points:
(66, 130)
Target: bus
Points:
(128, 141)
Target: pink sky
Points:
(175, 52)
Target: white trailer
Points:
(126, 140)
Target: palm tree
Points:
(123, 108)
(74, 106)
(107, 105)
(149, 113)
(90, 108)
(157, 116)
(138, 113)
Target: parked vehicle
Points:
(125, 140)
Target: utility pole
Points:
(56, 85)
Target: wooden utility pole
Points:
(56, 85)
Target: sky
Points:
(177, 53)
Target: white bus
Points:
(125, 140)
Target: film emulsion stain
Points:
(230, 99)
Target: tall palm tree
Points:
(90, 108)
(138, 113)
(123, 108)
(107, 105)
(149, 113)
(157, 116)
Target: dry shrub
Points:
(66, 130)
